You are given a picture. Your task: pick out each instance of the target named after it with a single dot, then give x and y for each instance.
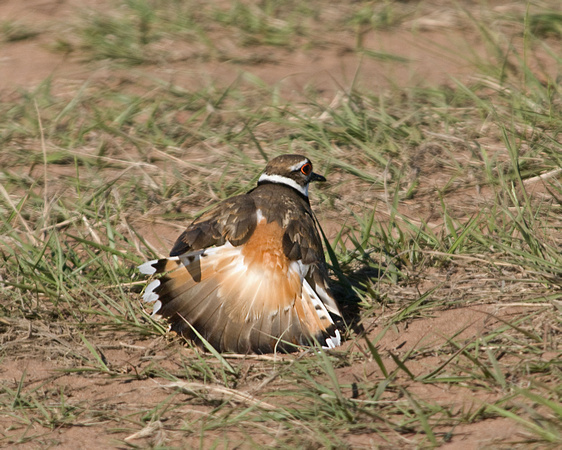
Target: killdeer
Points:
(249, 275)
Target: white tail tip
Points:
(149, 295)
(147, 268)
(333, 341)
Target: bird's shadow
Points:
(348, 300)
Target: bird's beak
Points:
(316, 177)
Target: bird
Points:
(249, 275)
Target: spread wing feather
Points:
(232, 220)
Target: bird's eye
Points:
(306, 169)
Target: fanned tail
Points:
(238, 306)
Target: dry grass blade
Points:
(150, 430)
(18, 215)
(220, 393)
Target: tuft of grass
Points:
(14, 31)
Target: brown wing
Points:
(301, 241)
(232, 220)
(309, 250)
